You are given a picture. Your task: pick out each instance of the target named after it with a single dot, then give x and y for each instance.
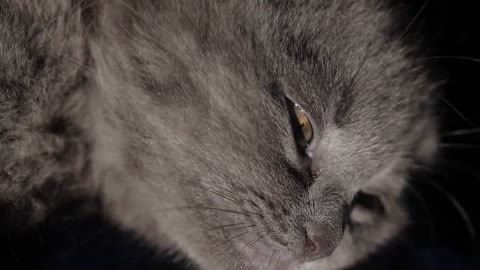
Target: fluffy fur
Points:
(44, 141)
(174, 113)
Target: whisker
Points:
(446, 57)
(229, 192)
(83, 66)
(254, 257)
(414, 19)
(278, 260)
(245, 213)
(223, 226)
(455, 203)
(226, 227)
(220, 175)
(356, 75)
(460, 166)
(426, 209)
(251, 243)
(235, 194)
(229, 196)
(218, 193)
(270, 259)
(243, 227)
(216, 172)
(260, 261)
(461, 132)
(206, 164)
(449, 104)
(463, 213)
(134, 12)
(459, 146)
(229, 240)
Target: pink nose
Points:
(317, 243)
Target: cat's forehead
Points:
(337, 71)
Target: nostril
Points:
(317, 244)
(368, 201)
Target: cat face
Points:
(212, 97)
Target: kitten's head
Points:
(269, 117)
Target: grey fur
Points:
(173, 114)
(44, 133)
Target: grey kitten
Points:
(243, 134)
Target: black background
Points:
(441, 238)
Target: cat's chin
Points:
(265, 257)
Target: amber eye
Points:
(304, 122)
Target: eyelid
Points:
(305, 123)
(298, 116)
(302, 144)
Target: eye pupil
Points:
(301, 124)
(305, 123)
